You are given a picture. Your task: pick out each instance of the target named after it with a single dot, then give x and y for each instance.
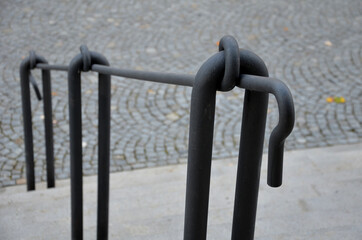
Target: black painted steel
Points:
(48, 124)
(252, 138)
(35, 86)
(207, 81)
(25, 75)
(200, 147)
(230, 47)
(250, 151)
(285, 125)
(75, 120)
(222, 72)
(52, 67)
(169, 78)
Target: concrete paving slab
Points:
(320, 198)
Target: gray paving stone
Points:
(314, 47)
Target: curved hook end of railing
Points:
(27, 65)
(35, 86)
(285, 125)
(281, 131)
(275, 163)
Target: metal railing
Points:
(223, 71)
(25, 77)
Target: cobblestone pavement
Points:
(314, 46)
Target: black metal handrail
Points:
(222, 72)
(26, 66)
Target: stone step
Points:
(320, 198)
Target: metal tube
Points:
(200, 147)
(48, 127)
(28, 131)
(52, 67)
(285, 125)
(75, 133)
(104, 84)
(169, 78)
(250, 151)
(205, 84)
(104, 120)
(27, 121)
(248, 174)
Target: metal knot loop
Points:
(32, 59)
(86, 58)
(229, 45)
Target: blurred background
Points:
(315, 47)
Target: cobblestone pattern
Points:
(314, 46)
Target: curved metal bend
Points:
(33, 59)
(285, 125)
(230, 46)
(207, 82)
(75, 124)
(25, 78)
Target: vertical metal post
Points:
(206, 83)
(200, 147)
(218, 73)
(28, 131)
(75, 133)
(27, 118)
(250, 151)
(48, 126)
(248, 174)
(75, 121)
(104, 121)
